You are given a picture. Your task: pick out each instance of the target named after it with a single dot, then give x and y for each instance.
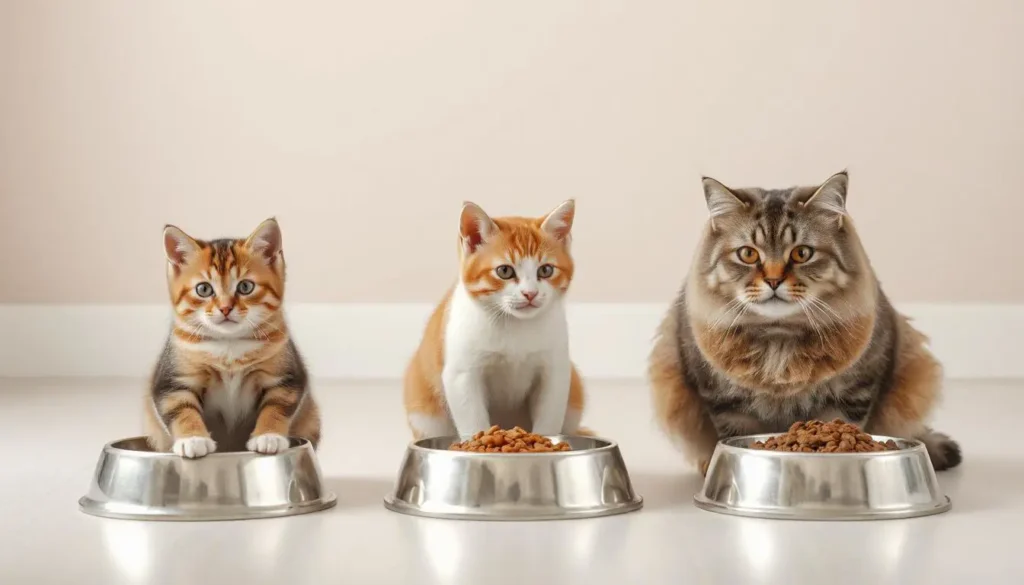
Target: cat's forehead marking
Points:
(774, 204)
(222, 255)
(759, 236)
(788, 233)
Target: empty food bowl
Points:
(588, 481)
(821, 486)
(133, 482)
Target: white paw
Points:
(268, 443)
(193, 447)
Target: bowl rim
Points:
(111, 447)
(913, 446)
(608, 446)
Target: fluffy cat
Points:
(781, 319)
(229, 377)
(496, 350)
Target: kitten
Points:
(781, 319)
(496, 350)
(229, 377)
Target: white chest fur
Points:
(231, 397)
(497, 361)
(231, 392)
(226, 350)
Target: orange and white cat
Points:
(229, 377)
(496, 350)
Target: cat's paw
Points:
(269, 443)
(194, 447)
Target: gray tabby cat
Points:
(781, 319)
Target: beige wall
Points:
(363, 125)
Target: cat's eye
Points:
(747, 255)
(245, 287)
(801, 254)
(545, 271)
(204, 289)
(505, 272)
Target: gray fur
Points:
(837, 287)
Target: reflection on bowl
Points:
(590, 480)
(133, 482)
(821, 486)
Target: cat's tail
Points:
(943, 451)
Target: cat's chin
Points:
(775, 309)
(526, 313)
(228, 329)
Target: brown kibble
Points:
(816, 436)
(516, 440)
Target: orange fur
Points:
(915, 390)
(254, 371)
(677, 407)
(423, 392)
(742, 361)
(514, 238)
(517, 237)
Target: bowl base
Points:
(107, 510)
(821, 515)
(402, 508)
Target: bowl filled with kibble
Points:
(512, 474)
(821, 470)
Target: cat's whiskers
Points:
(498, 313)
(835, 318)
(733, 305)
(728, 332)
(806, 308)
(831, 327)
(257, 329)
(195, 331)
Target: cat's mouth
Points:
(775, 307)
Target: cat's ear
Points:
(265, 240)
(830, 197)
(558, 223)
(722, 200)
(475, 227)
(178, 246)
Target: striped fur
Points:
(229, 377)
(496, 350)
(760, 338)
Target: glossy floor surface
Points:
(52, 432)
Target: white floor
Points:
(53, 430)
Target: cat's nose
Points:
(774, 282)
(530, 294)
(226, 310)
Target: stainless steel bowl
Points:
(133, 482)
(821, 486)
(591, 480)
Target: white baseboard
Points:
(375, 341)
